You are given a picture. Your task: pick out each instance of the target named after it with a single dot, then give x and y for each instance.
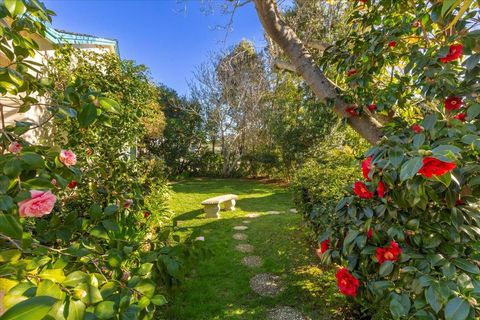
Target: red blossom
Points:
(146, 214)
(416, 128)
(372, 107)
(392, 44)
(324, 245)
(366, 168)
(389, 253)
(370, 233)
(351, 72)
(381, 189)
(434, 167)
(346, 282)
(461, 116)
(454, 52)
(360, 189)
(453, 103)
(72, 184)
(352, 111)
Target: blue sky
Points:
(171, 37)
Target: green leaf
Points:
(15, 7)
(146, 287)
(76, 310)
(410, 168)
(457, 309)
(466, 266)
(75, 278)
(10, 226)
(87, 115)
(49, 288)
(445, 150)
(4, 184)
(109, 104)
(433, 299)
(12, 168)
(429, 122)
(6, 202)
(473, 111)
(400, 305)
(10, 255)
(418, 140)
(55, 275)
(105, 310)
(386, 268)
(159, 300)
(472, 62)
(447, 6)
(33, 160)
(34, 308)
(92, 295)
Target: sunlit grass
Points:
(218, 286)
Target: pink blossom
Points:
(68, 158)
(15, 147)
(40, 204)
(200, 238)
(127, 203)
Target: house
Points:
(47, 45)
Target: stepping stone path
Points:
(273, 212)
(241, 228)
(252, 215)
(252, 261)
(293, 210)
(266, 284)
(240, 236)
(246, 221)
(285, 313)
(244, 247)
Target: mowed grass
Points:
(218, 286)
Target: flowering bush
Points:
(72, 245)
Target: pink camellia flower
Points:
(40, 204)
(127, 203)
(15, 147)
(54, 182)
(68, 158)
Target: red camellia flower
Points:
(352, 111)
(434, 167)
(453, 103)
(370, 233)
(72, 184)
(372, 107)
(461, 116)
(392, 44)
(346, 282)
(454, 53)
(416, 128)
(381, 189)
(389, 253)
(360, 189)
(146, 214)
(366, 168)
(324, 245)
(351, 72)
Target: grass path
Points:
(218, 286)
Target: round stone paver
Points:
(266, 284)
(246, 221)
(293, 210)
(252, 215)
(285, 313)
(240, 236)
(252, 261)
(241, 228)
(273, 212)
(244, 247)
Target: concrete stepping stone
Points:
(246, 221)
(293, 210)
(252, 261)
(244, 247)
(252, 215)
(240, 228)
(285, 313)
(266, 284)
(240, 236)
(273, 212)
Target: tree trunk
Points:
(322, 87)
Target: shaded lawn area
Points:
(218, 286)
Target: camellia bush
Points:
(108, 256)
(406, 238)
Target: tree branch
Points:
(323, 88)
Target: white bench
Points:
(212, 205)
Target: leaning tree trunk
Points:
(303, 64)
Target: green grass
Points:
(218, 285)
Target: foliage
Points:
(405, 58)
(89, 249)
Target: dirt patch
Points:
(285, 313)
(252, 261)
(266, 284)
(244, 247)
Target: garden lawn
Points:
(217, 287)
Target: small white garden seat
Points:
(212, 205)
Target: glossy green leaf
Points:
(10, 226)
(457, 309)
(410, 168)
(34, 308)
